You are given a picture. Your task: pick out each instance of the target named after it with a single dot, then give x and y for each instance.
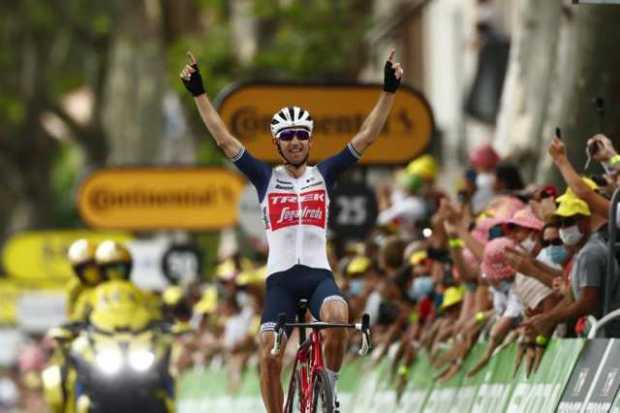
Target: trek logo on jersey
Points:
(286, 209)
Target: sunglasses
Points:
(544, 194)
(288, 135)
(568, 222)
(547, 242)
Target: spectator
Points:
(591, 288)
(483, 159)
(507, 178)
(508, 308)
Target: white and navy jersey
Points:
(295, 210)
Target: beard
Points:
(295, 164)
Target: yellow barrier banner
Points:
(338, 112)
(41, 256)
(160, 198)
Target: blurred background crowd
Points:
(494, 231)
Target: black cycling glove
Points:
(194, 84)
(390, 82)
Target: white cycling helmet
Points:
(291, 117)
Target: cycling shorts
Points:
(286, 288)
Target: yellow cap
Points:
(172, 295)
(417, 257)
(358, 265)
(570, 194)
(208, 301)
(570, 206)
(252, 276)
(226, 270)
(425, 166)
(452, 296)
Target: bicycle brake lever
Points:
(365, 329)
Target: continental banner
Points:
(366, 385)
(338, 111)
(160, 198)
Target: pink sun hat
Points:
(500, 210)
(525, 218)
(494, 264)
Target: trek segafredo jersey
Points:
(295, 210)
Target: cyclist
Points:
(294, 198)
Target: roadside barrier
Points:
(574, 375)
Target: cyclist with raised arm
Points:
(294, 198)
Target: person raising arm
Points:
(294, 200)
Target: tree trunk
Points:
(586, 67)
(526, 90)
(136, 85)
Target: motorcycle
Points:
(123, 371)
(118, 361)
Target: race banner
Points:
(368, 385)
(583, 376)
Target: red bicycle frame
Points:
(309, 358)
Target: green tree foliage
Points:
(51, 48)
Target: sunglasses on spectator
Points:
(568, 222)
(288, 135)
(547, 242)
(544, 194)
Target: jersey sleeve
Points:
(258, 172)
(331, 168)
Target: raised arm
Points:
(597, 203)
(193, 82)
(373, 124)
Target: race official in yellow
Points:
(88, 275)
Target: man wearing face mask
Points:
(588, 275)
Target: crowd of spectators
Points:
(503, 261)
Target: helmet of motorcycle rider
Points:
(114, 259)
(81, 256)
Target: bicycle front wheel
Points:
(293, 402)
(322, 394)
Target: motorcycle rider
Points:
(81, 256)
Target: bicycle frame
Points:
(309, 358)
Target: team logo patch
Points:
(286, 209)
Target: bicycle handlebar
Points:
(363, 327)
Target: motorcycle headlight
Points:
(141, 360)
(109, 361)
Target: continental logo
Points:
(103, 198)
(338, 112)
(160, 198)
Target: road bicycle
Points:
(309, 390)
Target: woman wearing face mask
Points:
(537, 296)
(508, 308)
